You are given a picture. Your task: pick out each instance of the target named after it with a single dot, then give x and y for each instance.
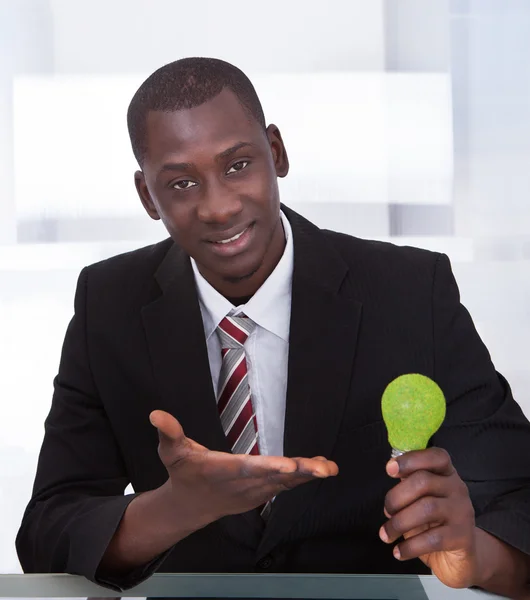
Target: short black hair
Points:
(184, 84)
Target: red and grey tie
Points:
(234, 400)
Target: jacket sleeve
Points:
(78, 495)
(485, 431)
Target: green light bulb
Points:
(413, 409)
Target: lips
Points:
(232, 244)
(229, 236)
(232, 239)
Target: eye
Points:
(184, 184)
(238, 166)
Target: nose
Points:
(219, 204)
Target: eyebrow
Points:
(233, 149)
(175, 167)
(183, 166)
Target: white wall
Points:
(25, 47)
(135, 36)
(386, 138)
(490, 47)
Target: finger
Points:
(418, 485)
(427, 511)
(278, 471)
(278, 483)
(249, 466)
(307, 472)
(224, 466)
(257, 466)
(331, 465)
(317, 467)
(444, 538)
(169, 429)
(436, 460)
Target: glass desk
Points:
(277, 586)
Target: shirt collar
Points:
(269, 307)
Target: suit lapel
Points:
(175, 335)
(177, 346)
(324, 325)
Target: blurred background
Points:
(405, 120)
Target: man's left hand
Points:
(432, 510)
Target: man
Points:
(209, 381)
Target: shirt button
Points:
(265, 562)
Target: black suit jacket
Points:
(363, 313)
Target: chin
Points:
(240, 274)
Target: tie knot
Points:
(234, 331)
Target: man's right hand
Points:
(203, 486)
(214, 484)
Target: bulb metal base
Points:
(396, 453)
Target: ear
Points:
(279, 154)
(145, 196)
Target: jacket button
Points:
(265, 562)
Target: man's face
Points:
(210, 174)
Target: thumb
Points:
(169, 429)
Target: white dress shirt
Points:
(266, 348)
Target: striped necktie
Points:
(234, 400)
